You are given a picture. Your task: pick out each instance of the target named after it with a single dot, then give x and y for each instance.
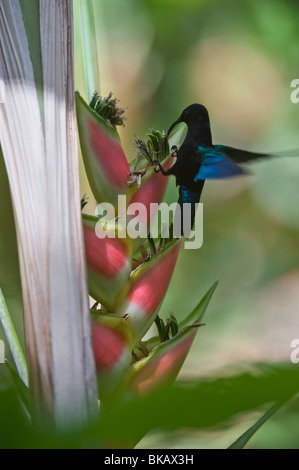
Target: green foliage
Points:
(204, 404)
(244, 439)
(199, 405)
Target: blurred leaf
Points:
(210, 402)
(20, 386)
(13, 340)
(244, 438)
(17, 432)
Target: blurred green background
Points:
(238, 59)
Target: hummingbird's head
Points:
(195, 116)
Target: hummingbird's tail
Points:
(185, 215)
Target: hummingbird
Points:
(198, 159)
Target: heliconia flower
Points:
(142, 295)
(112, 339)
(109, 261)
(105, 163)
(124, 275)
(164, 362)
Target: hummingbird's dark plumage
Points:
(198, 159)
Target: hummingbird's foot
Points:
(156, 162)
(174, 151)
(164, 172)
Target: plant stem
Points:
(90, 56)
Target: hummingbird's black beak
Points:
(173, 125)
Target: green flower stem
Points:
(13, 340)
(90, 55)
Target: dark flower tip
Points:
(84, 201)
(107, 108)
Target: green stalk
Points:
(31, 16)
(90, 55)
(13, 340)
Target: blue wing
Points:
(214, 165)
